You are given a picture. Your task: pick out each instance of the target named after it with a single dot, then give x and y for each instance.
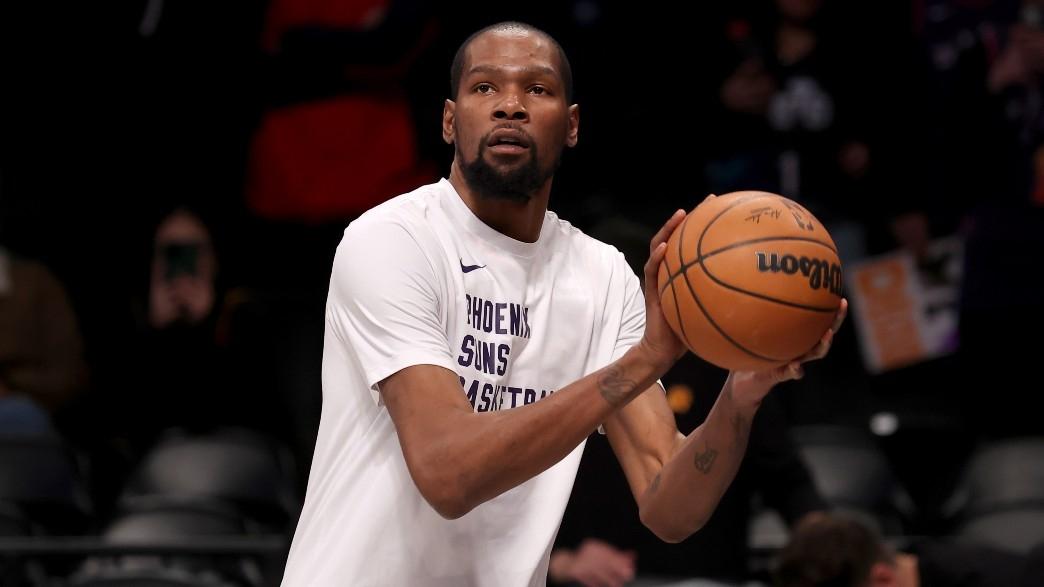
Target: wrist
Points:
(745, 393)
(659, 362)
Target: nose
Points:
(511, 108)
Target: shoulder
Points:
(594, 253)
(401, 221)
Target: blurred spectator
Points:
(985, 62)
(41, 352)
(790, 116)
(832, 550)
(184, 367)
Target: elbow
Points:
(669, 528)
(447, 497)
(449, 507)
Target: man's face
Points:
(510, 119)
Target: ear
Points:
(883, 574)
(574, 125)
(448, 111)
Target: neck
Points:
(518, 220)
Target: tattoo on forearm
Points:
(655, 484)
(613, 386)
(705, 460)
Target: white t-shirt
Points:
(421, 280)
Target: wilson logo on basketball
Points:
(820, 272)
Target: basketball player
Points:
(474, 340)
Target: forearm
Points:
(473, 457)
(683, 495)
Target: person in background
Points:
(837, 551)
(42, 365)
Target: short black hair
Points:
(830, 550)
(457, 69)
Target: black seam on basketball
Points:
(677, 311)
(700, 257)
(770, 238)
(819, 309)
(670, 278)
(699, 242)
(720, 330)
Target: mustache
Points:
(508, 126)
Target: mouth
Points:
(508, 141)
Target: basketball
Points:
(750, 280)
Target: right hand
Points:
(598, 564)
(663, 346)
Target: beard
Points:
(517, 184)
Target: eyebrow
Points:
(490, 69)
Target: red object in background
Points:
(284, 15)
(331, 160)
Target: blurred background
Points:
(175, 177)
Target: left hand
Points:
(752, 386)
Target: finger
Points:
(793, 370)
(655, 257)
(652, 270)
(839, 318)
(665, 231)
(820, 350)
(709, 198)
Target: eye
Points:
(484, 88)
(538, 90)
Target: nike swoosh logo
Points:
(469, 268)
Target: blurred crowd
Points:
(175, 176)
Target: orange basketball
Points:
(750, 280)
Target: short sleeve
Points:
(384, 302)
(632, 315)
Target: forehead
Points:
(511, 50)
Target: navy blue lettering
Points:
(468, 312)
(514, 391)
(476, 313)
(473, 392)
(516, 319)
(500, 318)
(525, 321)
(467, 347)
(488, 394)
(487, 358)
(502, 356)
(487, 316)
(530, 396)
